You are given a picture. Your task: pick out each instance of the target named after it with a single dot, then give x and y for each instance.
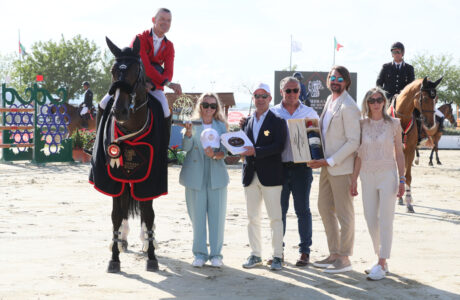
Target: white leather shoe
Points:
(377, 273)
(216, 262)
(367, 271)
(198, 262)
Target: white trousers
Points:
(272, 198)
(379, 191)
(158, 94)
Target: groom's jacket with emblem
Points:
(269, 146)
(144, 158)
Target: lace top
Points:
(378, 140)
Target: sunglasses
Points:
(288, 91)
(373, 100)
(395, 51)
(264, 96)
(209, 105)
(339, 79)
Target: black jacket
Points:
(270, 143)
(88, 99)
(145, 173)
(393, 80)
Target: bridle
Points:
(125, 86)
(432, 93)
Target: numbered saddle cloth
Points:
(143, 160)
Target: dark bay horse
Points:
(420, 94)
(435, 135)
(130, 139)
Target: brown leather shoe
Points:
(269, 262)
(303, 260)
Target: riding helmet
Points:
(397, 45)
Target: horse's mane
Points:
(411, 89)
(409, 92)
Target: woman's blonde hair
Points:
(218, 114)
(366, 112)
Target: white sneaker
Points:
(216, 262)
(198, 262)
(376, 273)
(367, 271)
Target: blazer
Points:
(164, 58)
(268, 148)
(343, 134)
(394, 80)
(192, 172)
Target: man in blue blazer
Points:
(262, 175)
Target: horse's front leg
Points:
(116, 245)
(431, 157)
(147, 219)
(437, 157)
(417, 156)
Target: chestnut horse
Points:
(447, 111)
(419, 94)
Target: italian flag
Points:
(337, 46)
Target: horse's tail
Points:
(129, 203)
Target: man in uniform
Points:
(87, 104)
(395, 75)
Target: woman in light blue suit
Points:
(205, 178)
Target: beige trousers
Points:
(272, 198)
(379, 191)
(335, 205)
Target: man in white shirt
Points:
(297, 178)
(340, 130)
(262, 176)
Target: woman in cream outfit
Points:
(205, 178)
(380, 159)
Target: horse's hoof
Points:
(439, 163)
(114, 267)
(400, 201)
(124, 245)
(152, 265)
(430, 164)
(410, 208)
(416, 161)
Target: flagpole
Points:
(20, 57)
(290, 58)
(333, 61)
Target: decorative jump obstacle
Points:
(36, 128)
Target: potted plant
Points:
(82, 139)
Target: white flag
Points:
(296, 46)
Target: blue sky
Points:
(223, 45)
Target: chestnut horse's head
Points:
(128, 81)
(426, 102)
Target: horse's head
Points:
(448, 112)
(128, 81)
(426, 103)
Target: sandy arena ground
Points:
(55, 231)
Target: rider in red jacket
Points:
(157, 54)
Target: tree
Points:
(436, 66)
(102, 84)
(66, 63)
